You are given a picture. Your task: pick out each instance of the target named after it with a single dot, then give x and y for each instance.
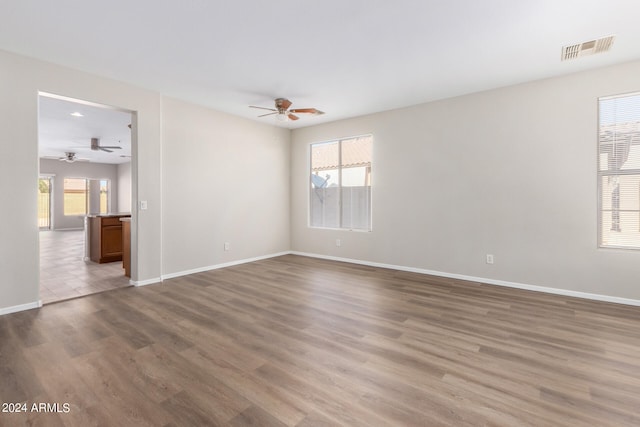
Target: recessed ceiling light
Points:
(77, 114)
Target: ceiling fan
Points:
(283, 112)
(69, 157)
(95, 146)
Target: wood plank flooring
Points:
(295, 341)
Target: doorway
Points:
(85, 157)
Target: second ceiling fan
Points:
(282, 110)
(95, 146)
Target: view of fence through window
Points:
(75, 196)
(619, 171)
(44, 202)
(82, 196)
(103, 196)
(341, 183)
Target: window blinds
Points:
(619, 171)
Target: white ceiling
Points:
(59, 132)
(347, 58)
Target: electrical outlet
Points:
(338, 242)
(489, 259)
(227, 246)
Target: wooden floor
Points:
(65, 274)
(297, 341)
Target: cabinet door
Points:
(111, 241)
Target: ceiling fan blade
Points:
(263, 108)
(268, 114)
(104, 149)
(307, 110)
(293, 116)
(113, 147)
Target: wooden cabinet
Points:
(126, 245)
(105, 238)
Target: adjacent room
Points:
(338, 213)
(83, 182)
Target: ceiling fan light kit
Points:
(70, 157)
(284, 114)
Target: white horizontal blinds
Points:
(619, 171)
(341, 184)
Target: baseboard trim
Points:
(66, 229)
(535, 288)
(222, 265)
(145, 282)
(21, 307)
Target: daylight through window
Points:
(84, 195)
(75, 196)
(340, 183)
(619, 171)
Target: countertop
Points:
(109, 215)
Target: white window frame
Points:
(310, 187)
(609, 173)
(86, 196)
(88, 193)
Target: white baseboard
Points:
(556, 291)
(21, 307)
(223, 265)
(145, 282)
(66, 229)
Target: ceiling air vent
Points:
(587, 48)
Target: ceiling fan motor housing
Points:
(282, 105)
(282, 110)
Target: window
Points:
(75, 196)
(44, 202)
(104, 191)
(82, 196)
(340, 184)
(619, 171)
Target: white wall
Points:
(124, 187)
(63, 170)
(510, 172)
(225, 179)
(207, 177)
(20, 80)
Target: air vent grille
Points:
(587, 48)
